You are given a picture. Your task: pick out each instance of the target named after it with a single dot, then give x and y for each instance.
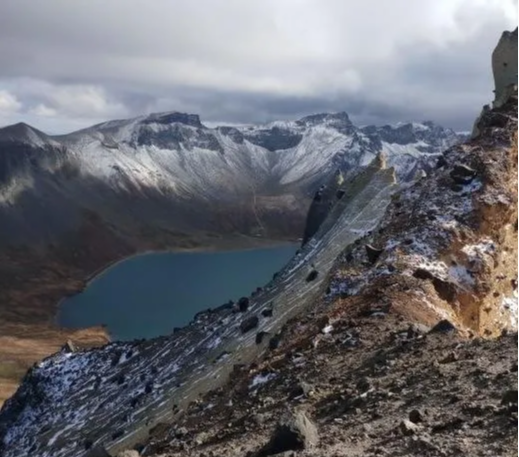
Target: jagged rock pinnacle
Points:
(504, 67)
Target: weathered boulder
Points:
(260, 336)
(128, 453)
(373, 253)
(510, 396)
(294, 434)
(312, 275)
(462, 174)
(69, 347)
(249, 324)
(243, 304)
(444, 326)
(408, 428)
(267, 312)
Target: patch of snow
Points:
(261, 379)
(510, 306)
(461, 276)
(327, 329)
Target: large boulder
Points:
(249, 324)
(243, 304)
(296, 433)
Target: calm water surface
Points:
(148, 295)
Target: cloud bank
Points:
(66, 65)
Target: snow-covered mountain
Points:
(171, 171)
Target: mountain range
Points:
(170, 172)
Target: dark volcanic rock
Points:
(249, 324)
(192, 120)
(260, 336)
(243, 304)
(267, 312)
(312, 275)
(373, 253)
(275, 138)
(462, 174)
(98, 451)
(510, 396)
(444, 326)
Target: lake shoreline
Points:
(211, 249)
(261, 266)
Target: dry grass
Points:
(12, 371)
(34, 343)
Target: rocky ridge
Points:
(183, 176)
(372, 370)
(118, 392)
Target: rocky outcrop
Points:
(504, 67)
(324, 199)
(295, 433)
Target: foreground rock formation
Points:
(504, 67)
(373, 385)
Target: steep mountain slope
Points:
(185, 363)
(437, 252)
(366, 372)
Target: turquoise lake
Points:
(150, 294)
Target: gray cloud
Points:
(67, 64)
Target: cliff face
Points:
(504, 66)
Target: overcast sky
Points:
(66, 64)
